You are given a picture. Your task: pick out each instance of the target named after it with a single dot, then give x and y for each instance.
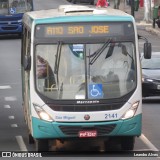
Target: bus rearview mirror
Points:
(147, 50)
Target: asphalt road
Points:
(13, 131)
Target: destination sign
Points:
(81, 29)
(76, 30)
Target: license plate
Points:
(84, 134)
(158, 86)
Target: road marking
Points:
(14, 125)
(148, 143)
(11, 117)
(21, 143)
(12, 98)
(7, 106)
(5, 87)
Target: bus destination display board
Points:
(81, 29)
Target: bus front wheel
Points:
(92, 2)
(42, 145)
(74, 1)
(127, 143)
(30, 139)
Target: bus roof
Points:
(47, 16)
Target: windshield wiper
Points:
(110, 50)
(61, 91)
(98, 52)
(150, 68)
(57, 57)
(145, 68)
(57, 61)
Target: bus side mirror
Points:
(27, 63)
(147, 50)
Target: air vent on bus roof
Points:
(100, 11)
(75, 9)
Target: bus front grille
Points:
(86, 107)
(102, 130)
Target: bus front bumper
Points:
(59, 130)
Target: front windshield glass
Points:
(15, 6)
(85, 71)
(153, 63)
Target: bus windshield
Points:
(15, 6)
(85, 71)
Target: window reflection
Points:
(113, 71)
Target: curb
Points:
(149, 28)
(153, 30)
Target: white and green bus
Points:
(81, 76)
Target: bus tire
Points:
(42, 145)
(92, 2)
(30, 139)
(127, 143)
(74, 1)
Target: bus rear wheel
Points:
(127, 143)
(42, 145)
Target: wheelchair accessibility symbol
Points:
(12, 10)
(95, 91)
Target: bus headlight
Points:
(131, 112)
(42, 113)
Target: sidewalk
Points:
(139, 17)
